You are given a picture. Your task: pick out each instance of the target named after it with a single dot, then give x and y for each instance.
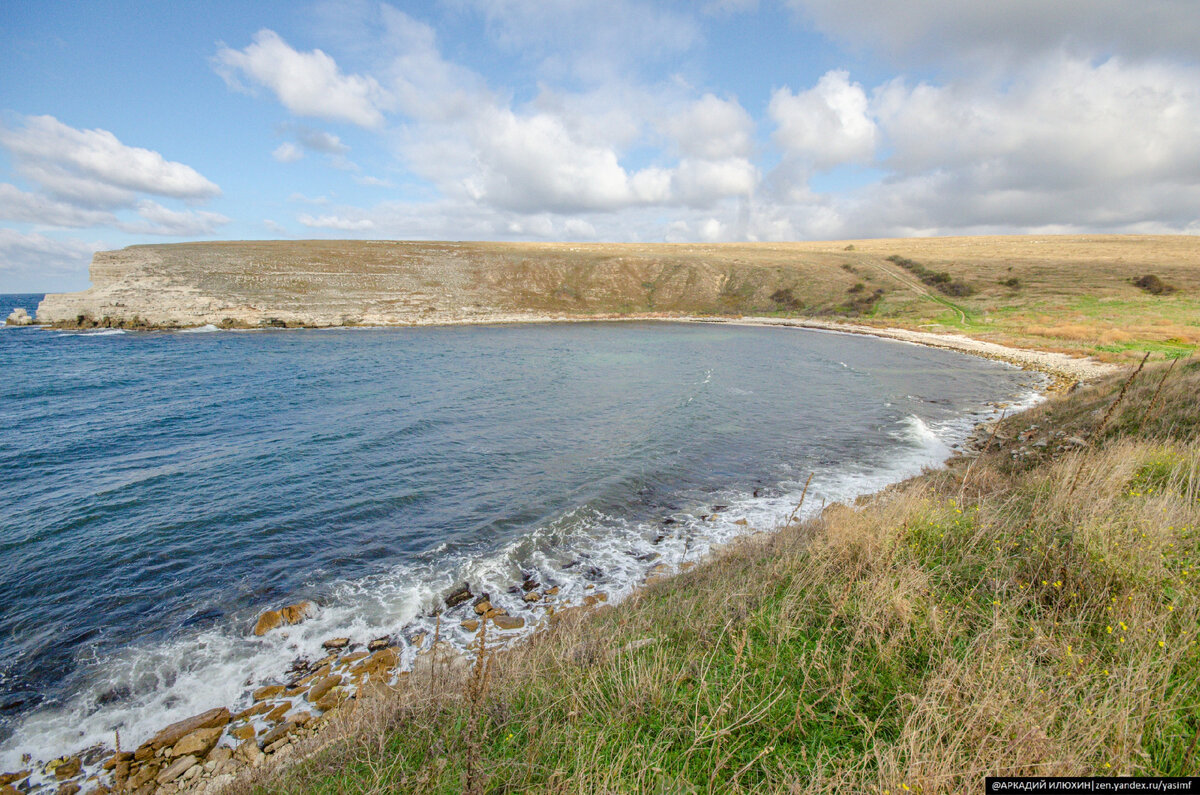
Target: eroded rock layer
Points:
(333, 283)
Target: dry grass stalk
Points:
(1120, 397)
(1153, 409)
(476, 690)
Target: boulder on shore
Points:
(177, 731)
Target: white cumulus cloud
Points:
(828, 125)
(306, 83)
(94, 167)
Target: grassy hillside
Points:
(1076, 294)
(1032, 610)
(1099, 295)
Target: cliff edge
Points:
(337, 282)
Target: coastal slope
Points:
(336, 283)
(1099, 294)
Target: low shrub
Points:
(1154, 285)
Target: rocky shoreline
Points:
(208, 751)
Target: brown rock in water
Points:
(320, 673)
(9, 789)
(508, 622)
(70, 788)
(458, 596)
(267, 622)
(243, 732)
(177, 731)
(335, 643)
(270, 691)
(257, 709)
(176, 769)
(9, 778)
(198, 743)
(595, 598)
(324, 686)
(532, 596)
(470, 625)
(276, 715)
(294, 614)
(379, 643)
(67, 767)
(742, 522)
(552, 591)
(481, 608)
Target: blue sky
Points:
(616, 120)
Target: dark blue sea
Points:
(160, 490)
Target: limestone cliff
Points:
(338, 282)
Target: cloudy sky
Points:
(617, 120)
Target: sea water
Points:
(160, 490)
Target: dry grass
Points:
(945, 629)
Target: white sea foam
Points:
(143, 688)
(107, 332)
(199, 329)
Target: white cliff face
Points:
(335, 283)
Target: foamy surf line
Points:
(582, 553)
